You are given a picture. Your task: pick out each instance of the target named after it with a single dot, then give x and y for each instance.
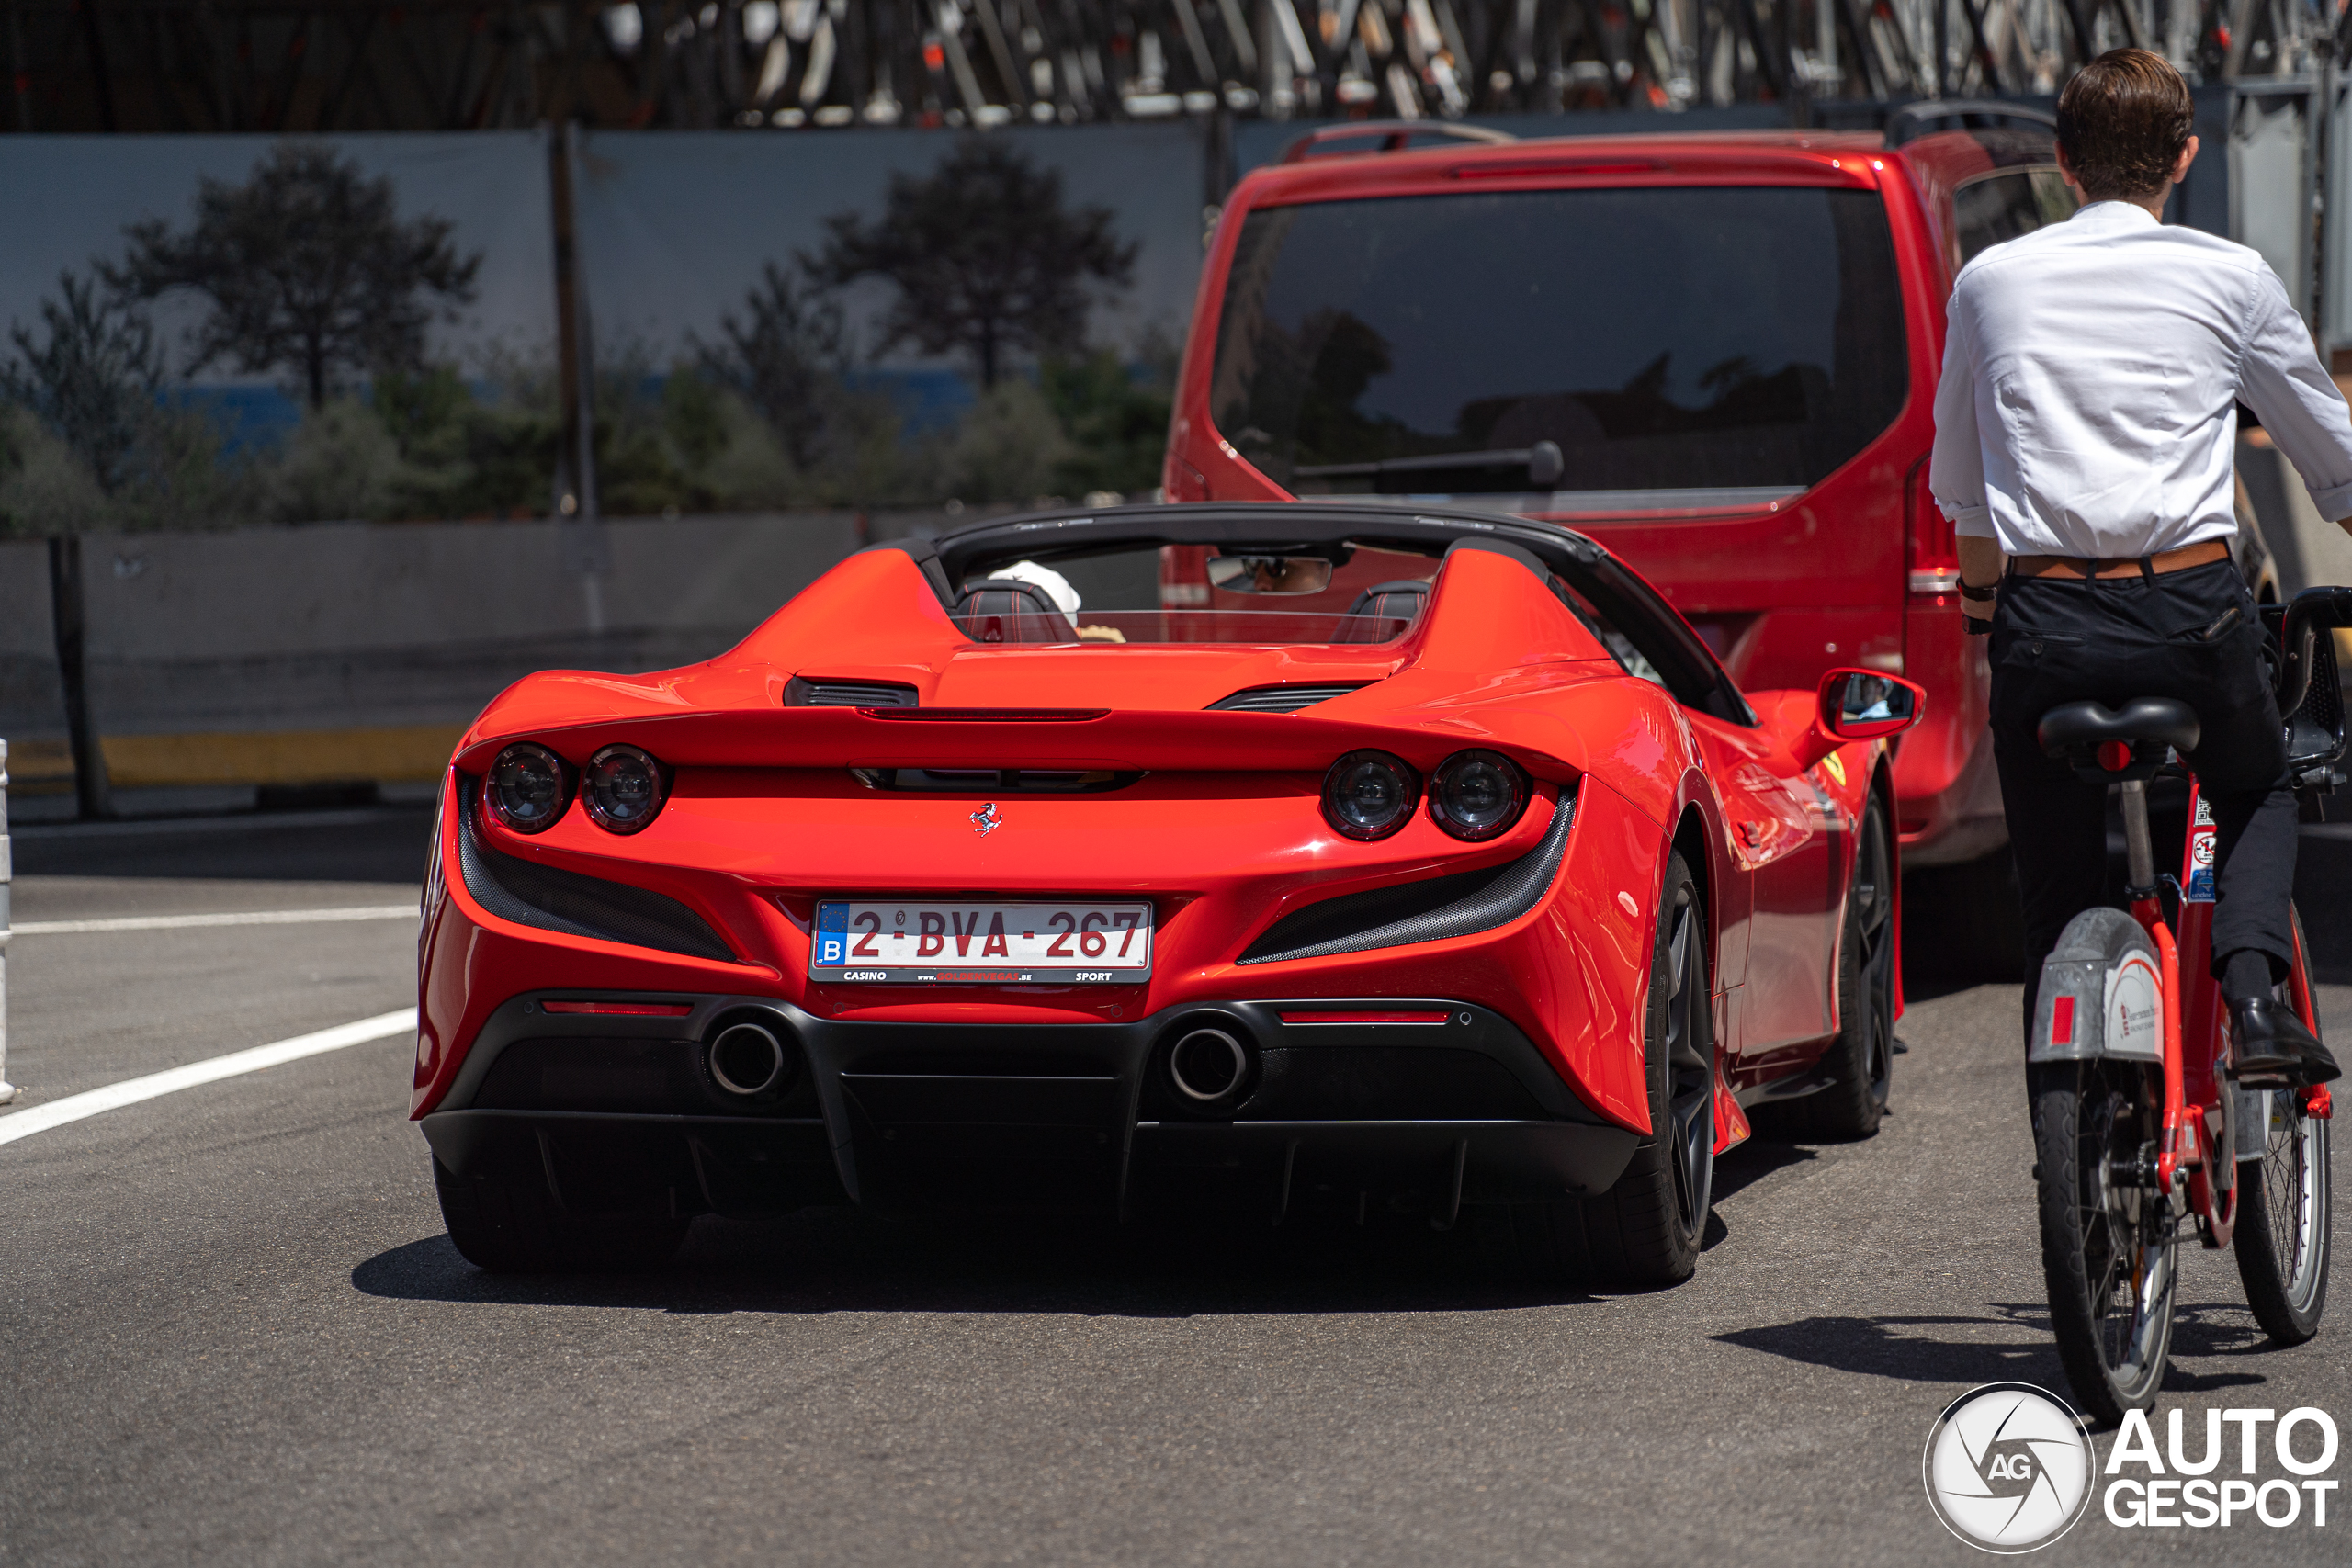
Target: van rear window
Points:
(1711, 339)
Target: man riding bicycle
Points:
(2085, 430)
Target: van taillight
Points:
(1935, 551)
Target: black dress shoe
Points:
(2273, 1044)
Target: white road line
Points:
(131, 1091)
(235, 918)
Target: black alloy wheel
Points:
(1861, 1058)
(1689, 1064)
(1646, 1230)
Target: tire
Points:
(1860, 1059)
(2283, 1241)
(2109, 1249)
(509, 1226)
(1646, 1230)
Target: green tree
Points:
(305, 265)
(984, 258)
(92, 380)
(784, 357)
(1117, 422)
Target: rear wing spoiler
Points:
(1118, 740)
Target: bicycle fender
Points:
(2102, 994)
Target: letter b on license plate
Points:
(981, 942)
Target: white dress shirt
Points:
(2091, 382)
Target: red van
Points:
(1717, 354)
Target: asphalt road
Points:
(232, 1328)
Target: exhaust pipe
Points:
(747, 1059)
(1208, 1065)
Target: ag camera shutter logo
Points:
(2007, 1468)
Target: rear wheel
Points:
(508, 1223)
(1860, 1060)
(1646, 1230)
(2109, 1243)
(2282, 1239)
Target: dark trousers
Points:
(2108, 639)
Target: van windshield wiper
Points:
(1542, 461)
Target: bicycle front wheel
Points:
(2282, 1239)
(2110, 1242)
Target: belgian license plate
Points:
(976, 941)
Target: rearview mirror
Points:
(1862, 705)
(1270, 574)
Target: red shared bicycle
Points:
(2140, 1122)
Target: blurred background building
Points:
(595, 331)
(349, 66)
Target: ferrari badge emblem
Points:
(986, 820)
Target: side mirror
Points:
(1858, 704)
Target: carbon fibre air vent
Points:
(1429, 910)
(801, 691)
(1282, 699)
(547, 899)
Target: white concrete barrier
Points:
(358, 651)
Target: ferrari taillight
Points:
(1369, 794)
(1477, 795)
(527, 787)
(624, 789)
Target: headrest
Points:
(1003, 609)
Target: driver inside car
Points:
(2085, 424)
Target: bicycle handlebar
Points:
(2309, 611)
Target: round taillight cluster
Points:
(623, 789)
(1477, 795)
(1368, 795)
(1474, 795)
(528, 786)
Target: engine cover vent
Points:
(1282, 699)
(802, 692)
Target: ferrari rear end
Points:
(875, 910)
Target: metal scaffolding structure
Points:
(355, 66)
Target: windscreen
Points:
(1167, 594)
(1738, 339)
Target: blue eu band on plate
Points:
(979, 941)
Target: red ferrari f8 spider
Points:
(1279, 856)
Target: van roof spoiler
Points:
(1389, 136)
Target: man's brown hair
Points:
(2123, 122)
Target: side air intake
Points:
(1282, 699)
(1431, 910)
(801, 691)
(549, 899)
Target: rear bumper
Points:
(620, 1113)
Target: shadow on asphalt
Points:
(1914, 1349)
(844, 1260)
(1956, 1350)
(847, 1261)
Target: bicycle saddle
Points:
(2114, 745)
